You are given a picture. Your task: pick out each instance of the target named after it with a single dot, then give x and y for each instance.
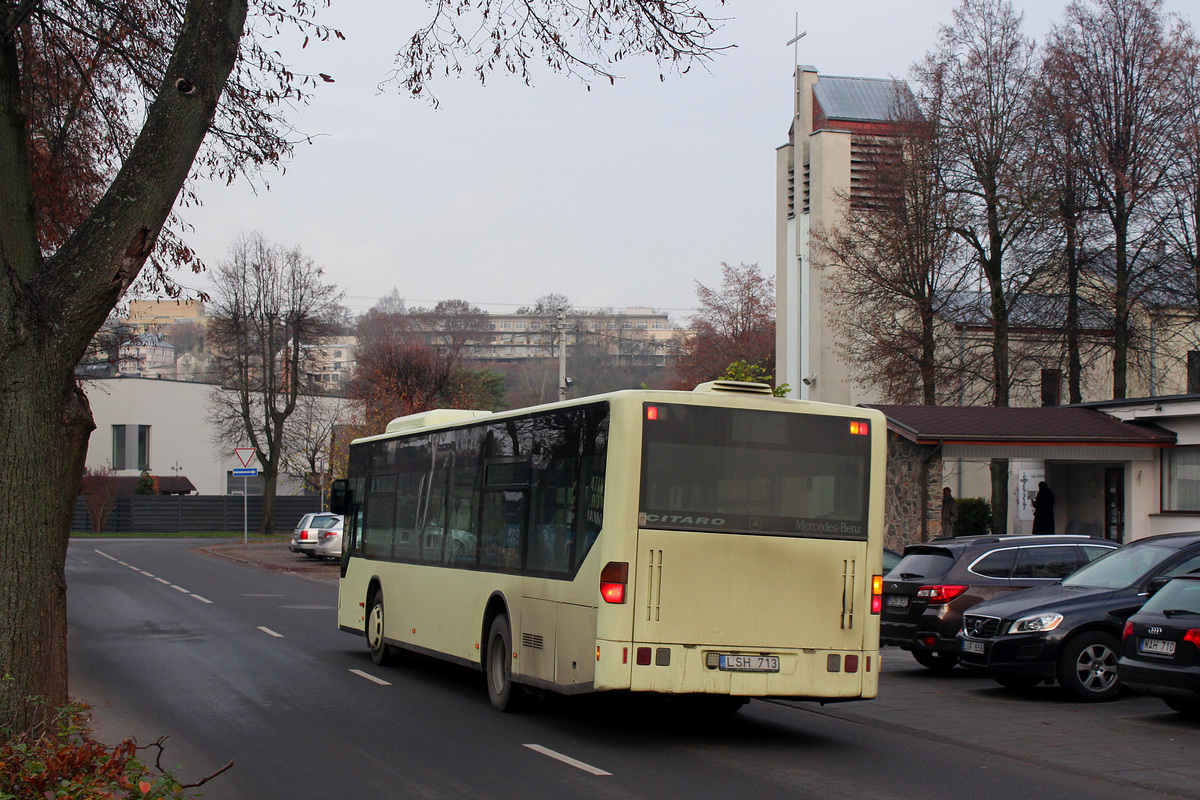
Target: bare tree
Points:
(308, 437)
(1181, 203)
(897, 263)
(580, 39)
(1068, 201)
(978, 81)
(271, 305)
(734, 323)
(1119, 70)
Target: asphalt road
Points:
(242, 664)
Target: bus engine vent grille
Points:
(533, 640)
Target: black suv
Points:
(1071, 632)
(925, 595)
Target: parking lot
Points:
(1133, 739)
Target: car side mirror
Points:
(1157, 583)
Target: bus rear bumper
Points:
(813, 674)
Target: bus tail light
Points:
(938, 595)
(613, 579)
(876, 594)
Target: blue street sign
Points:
(249, 472)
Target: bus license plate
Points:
(973, 647)
(750, 663)
(1158, 646)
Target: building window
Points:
(123, 447)
(118, 453)
(1181, 478)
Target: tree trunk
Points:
(44, 425)
(1121, 300)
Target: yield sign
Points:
(244, 454)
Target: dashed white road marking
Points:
(270, 632)
(160, 580)
(371, 678)
(546, 751)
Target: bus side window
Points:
(504, 514)
(378, 517)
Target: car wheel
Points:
(381, 653)
(504, 694)
(1087, 667)
(938, 662)
(1190, 708)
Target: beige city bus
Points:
(722, 544)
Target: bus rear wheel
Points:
(504, 694)
(381, 653)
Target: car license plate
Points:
(897, 601)
(750, 663)
(973, 647)
(1158, 646)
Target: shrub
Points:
(974, 517)
(60, 759)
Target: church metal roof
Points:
(859, 99)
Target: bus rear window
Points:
(746, 471)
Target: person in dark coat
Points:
(1043, 509)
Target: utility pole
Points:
(562, 355)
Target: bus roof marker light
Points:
(859, 428)
(651, 413)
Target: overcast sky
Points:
(619, 196)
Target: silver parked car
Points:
(329, 540)
(304, 537)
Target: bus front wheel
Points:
(382, 654)
(504, 694)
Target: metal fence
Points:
(195, 513)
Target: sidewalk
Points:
(274, 556)
(1134, 739)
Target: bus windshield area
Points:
(749, 471)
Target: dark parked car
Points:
(1071, 633)
(1161, 646)
(925, 595)
(890, 559)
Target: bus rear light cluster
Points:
(834, 662)
(876, 594)
(613, 580)
(660, 657)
